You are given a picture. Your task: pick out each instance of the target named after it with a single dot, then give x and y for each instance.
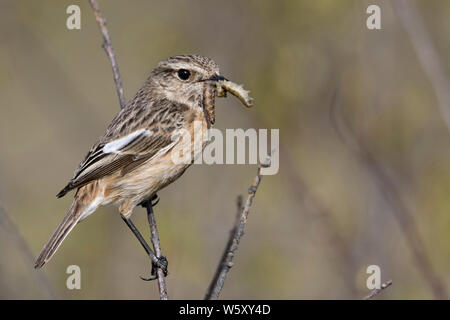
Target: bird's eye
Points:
(184, 74)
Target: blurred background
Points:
(364, 176)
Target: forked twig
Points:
(226, 262)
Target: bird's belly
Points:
(147, 179)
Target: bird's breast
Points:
(158, 172)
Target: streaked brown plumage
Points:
(132, 161)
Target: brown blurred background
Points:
(364, 176)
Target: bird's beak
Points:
(216, 77)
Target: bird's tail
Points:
(73, 216)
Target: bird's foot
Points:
(153, 201)
(163, 263)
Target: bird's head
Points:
(185, 79)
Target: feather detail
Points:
(115, 146)
(138, 132)
(77, 212)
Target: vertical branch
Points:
(157, 246)
(226, 262)
(107, 46)
(10, 227)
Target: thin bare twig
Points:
(118, 80)
(226, 262)
(157, 246)
(107, 46)
(429, 59)
(10, 227)
(374, 292)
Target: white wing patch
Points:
(116, 145)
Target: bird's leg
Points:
(149, 204)
(161, 263)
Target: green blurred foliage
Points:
(313, 228)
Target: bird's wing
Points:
(128, 148)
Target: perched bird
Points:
(133, 160)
